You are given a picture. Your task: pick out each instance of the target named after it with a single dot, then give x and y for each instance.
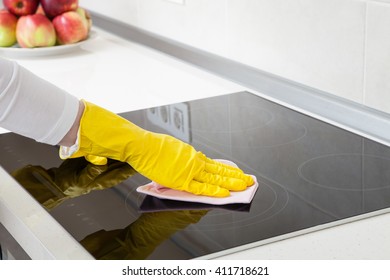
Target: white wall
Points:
(339, 46)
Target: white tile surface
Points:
(200, 23)
(315, 42)
(123, 10)
(377, 88)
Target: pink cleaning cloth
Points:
(159, 191)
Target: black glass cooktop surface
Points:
(310, 173)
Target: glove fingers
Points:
(207, 189)
(229, 183)
(224, 165)
(228, 171)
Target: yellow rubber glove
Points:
(159, 157)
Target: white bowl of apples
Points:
(42, 27)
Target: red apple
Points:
(86, 15)
(70, 27)
(7, 28)
(35, 31)
(21, 7)
(54, 8)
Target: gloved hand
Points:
(159, 157)
(74, 177)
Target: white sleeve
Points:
(33, 107)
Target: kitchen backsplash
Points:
(339, 46)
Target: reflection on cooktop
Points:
(310, 173)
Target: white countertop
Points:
(122, 76)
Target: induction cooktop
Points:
(310, 174)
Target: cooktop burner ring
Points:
(353, 169)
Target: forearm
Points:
(35, 108)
